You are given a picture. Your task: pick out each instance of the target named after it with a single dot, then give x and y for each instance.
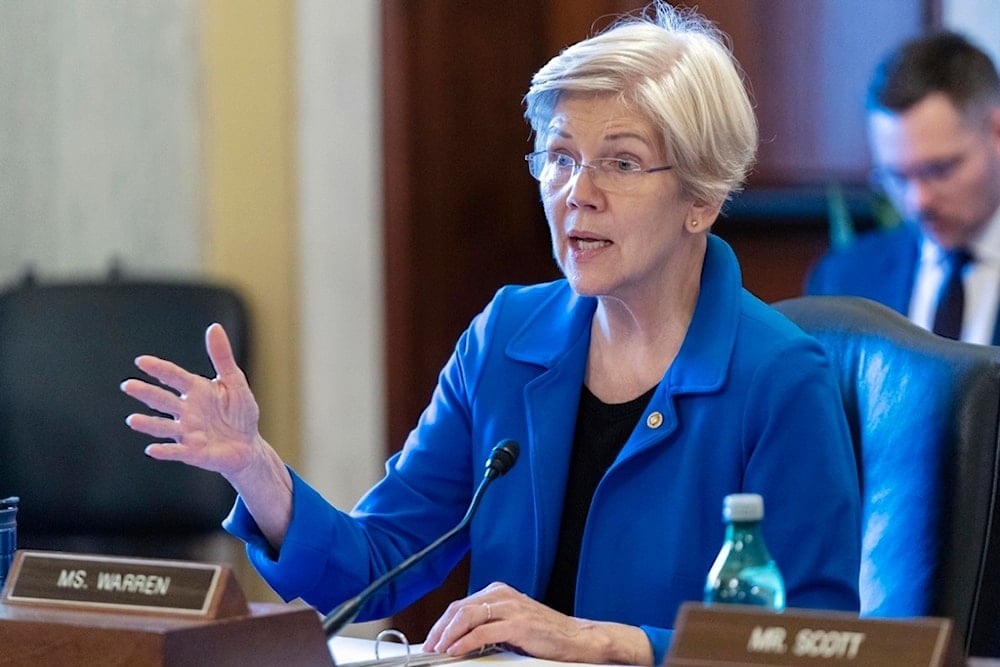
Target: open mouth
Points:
(588, 244)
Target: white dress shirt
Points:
(981, 279)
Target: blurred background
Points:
(354, 169)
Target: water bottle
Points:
(744, 572)
(8, 534)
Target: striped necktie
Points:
(951, 298)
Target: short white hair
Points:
(677, 69)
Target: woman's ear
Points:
(702, 215)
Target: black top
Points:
(601, 431)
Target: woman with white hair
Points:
(643, 387)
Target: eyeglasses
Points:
(611, 174)
(933, 172)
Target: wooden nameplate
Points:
(738, 636)
(59, 609)
(133, 585)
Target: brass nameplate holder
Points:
(740, 636)
(120, 584)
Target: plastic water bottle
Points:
(744, 572)
(8, 534)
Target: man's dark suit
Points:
(881, 266)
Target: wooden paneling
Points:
(462, 213)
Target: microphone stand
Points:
(347, 611)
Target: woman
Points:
(642, 388)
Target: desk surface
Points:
(347, 650)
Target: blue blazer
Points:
(879, 266)
(749, 405)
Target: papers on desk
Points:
(352, 652)
(348, 652)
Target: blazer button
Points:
(654, 420)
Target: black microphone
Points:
(502, 458)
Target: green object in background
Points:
(884, 212)
(841, 225)
(842, 230)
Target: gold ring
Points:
(489, 612)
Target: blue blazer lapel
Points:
(556, 337)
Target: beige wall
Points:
(248, 146)
(292, 209)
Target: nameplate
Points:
(740, 636)
(113, 583)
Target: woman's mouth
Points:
(584, 244)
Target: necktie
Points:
(951, 298)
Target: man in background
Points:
(933, 115)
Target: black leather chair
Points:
(924, 414)
(85, 484)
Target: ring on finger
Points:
(489, 612)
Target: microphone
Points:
(502, 458)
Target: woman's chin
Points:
(586, 285)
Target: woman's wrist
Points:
(266, 489)
(617, 644)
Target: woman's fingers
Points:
(157, 398)
(463, 619)
(220, 352)
(168, 451)
(157, 427)
(167, 373)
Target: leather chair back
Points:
(85, 484)
(924, 414)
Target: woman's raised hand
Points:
(212, 424)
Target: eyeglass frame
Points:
(597, 169)
(931, 173)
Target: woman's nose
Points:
(582, 190)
